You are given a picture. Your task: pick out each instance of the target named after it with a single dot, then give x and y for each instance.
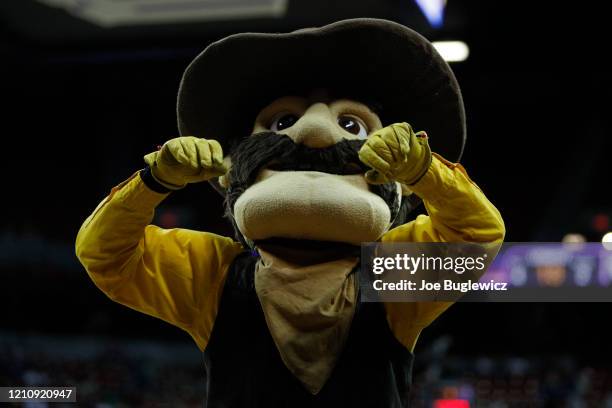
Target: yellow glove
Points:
(185, 160)
(396, 153)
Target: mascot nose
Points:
(316, 128)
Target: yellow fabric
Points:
(176, 275)
(185, 160)
(396, 153)
(458, 212)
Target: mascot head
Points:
(291, 112)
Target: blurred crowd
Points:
(106, 376)
(132, 374)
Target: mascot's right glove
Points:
(186, 160)
(396, 153)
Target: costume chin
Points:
(311, 205)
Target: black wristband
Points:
(147, 178)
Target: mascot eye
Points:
(283, 121)
(353, 125)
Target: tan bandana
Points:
(308, 302)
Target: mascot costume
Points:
(320, 155)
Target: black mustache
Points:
(341, 158)
(279, 152)
(333, 168)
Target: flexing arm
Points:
(175, 275)
(458, 211)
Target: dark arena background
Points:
(89, 87)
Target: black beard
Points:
(279, 152)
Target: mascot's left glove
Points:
(396, 153)
(186, 160)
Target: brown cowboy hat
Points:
(225, 86)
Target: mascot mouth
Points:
(305, 252)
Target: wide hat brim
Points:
(225, 86)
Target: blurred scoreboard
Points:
(558, 271)
(553, 265)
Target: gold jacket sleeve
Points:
(458, 212)
(176, 275)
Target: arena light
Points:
(606, 240)
(574, 238)
(112, 13)
(433, 10)
(452, 51)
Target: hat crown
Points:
(225, 86)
